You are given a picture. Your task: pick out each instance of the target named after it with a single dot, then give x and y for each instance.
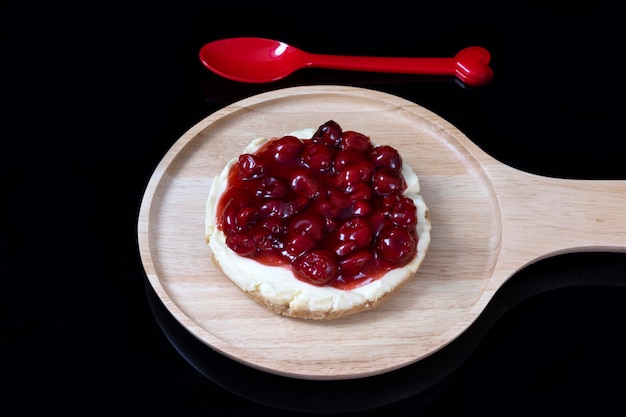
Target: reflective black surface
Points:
(92, 103)
(576, 283)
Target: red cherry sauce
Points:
(331, 208)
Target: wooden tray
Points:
(489, 220)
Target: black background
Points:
(93, 96)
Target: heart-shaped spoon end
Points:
(472, 66)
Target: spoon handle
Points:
(470, 65)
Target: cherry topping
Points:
(267, 234)
(286, 150)
(298, 243)
(244, 216)
(379, 219)
(361, 208)
(303, 181)
(310, 223)
(317, 156)
(386, 156)
(404, 213)
(230, 219)
(352, 175)
(277, 208)
(355, 263)
(241, 243)
(356, 230)
(361, 191)
(348, 157)
(356, 141)
(387, 181)
(339, 199)
(396, 244)
(318, 266)
(271, 187)
(328, 134)
(331, 208)
(250, 166)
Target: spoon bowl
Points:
(260, 60)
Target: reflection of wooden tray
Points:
(489, 220)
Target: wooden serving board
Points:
(489, 220)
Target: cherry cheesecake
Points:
(319, 223)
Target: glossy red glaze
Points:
(331, 208)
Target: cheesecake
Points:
(320, 223)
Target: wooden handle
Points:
(543, 216)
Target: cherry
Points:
(282, 209)
(389, 201)
(379, 219)
(297, 243)
(303, 181)
(250, 166)
(285, 150)
(354, 174)
(357, 230)
(296, 204)
(343, 249)
(273, 208)
(387, 157)
(327, 209)
(267, 243)
(318, 266)
(396, 244)
(328, 134)
(355, 263)
(404, 213)
(244, 216)
(361, 208)
(360, 191)
(356, 141)
(267, 234)
(386, 181)
(348, 157)
(271, 187)
(317, 156)
(339, 199)
(269, 226)
(230, 219)
(310, 223)
(241, 243)
(355, 233)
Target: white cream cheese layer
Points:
(278, 284)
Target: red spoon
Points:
(259, 60)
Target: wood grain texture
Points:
(489, 220)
